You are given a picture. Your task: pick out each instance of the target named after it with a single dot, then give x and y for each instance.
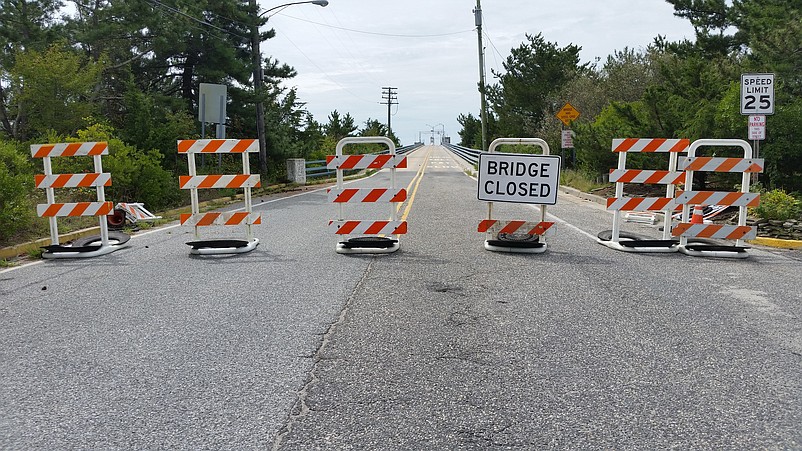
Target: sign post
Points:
(567, 115)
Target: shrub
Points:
(778, 205)
(137, 175)
(16, 182)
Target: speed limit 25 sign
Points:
(757, 94)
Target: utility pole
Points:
(390, 96)
(478, 16)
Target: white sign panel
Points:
(757, 128)
(757, 94)
(567, 139)
(519, 178)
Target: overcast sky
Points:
(346, 52)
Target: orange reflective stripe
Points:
(209, 181)
(374, 195)
(401, 229)
(44, 151)
(376, 227)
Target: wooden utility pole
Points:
(478, 15)
(390, 96)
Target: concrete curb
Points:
(582, 195)
(777, 243)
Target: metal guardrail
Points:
(467, 154)
(317, 168)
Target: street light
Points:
(256, 57)
(434, 132)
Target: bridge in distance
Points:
(441, 345)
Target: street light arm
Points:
(322, 3)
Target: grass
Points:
(581, 181)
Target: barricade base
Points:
(705, 250)
(512, 247)
(368, 245)
(59, 252)
(222, 247)
(87, 247)
(642, 247)
(631, 242)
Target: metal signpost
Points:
(567, 115)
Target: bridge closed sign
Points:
(519, 178)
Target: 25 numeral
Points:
(765, 102)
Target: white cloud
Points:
(437, 77)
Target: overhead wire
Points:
(392, 35)
(195, 19)
(329, 77)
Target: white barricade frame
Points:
(665, 205)
(516, 236)
(245, 181)
(375, 237)
(90, 246)
(743, 199)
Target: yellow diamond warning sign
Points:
(568, 114)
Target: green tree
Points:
(340, 127)
(16, 182)
(53, 89)
(26, 26)
(534, 70)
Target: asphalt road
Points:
(442, 345)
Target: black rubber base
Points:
(115, 238)
(369, 243)
(516, 244)
(715, 248)
(217, 244)
(649, 243)
(58, 248)
(88, 244)
(516, 241)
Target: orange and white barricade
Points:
(518, 236)
(373, 236)
(94, 246)
(629, 242)
(742, 199)
(245, 181)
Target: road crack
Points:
(300, 408)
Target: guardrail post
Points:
(296, 170)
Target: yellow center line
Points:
(419, 177)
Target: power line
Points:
(195, 19)
(379, 34)
(329, 77)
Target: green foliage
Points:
(137, 175)
(340, 127)
(534, 70)
(16, 182)
(52, 90)
(779, 205)
(619, 120)
(783, 152)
